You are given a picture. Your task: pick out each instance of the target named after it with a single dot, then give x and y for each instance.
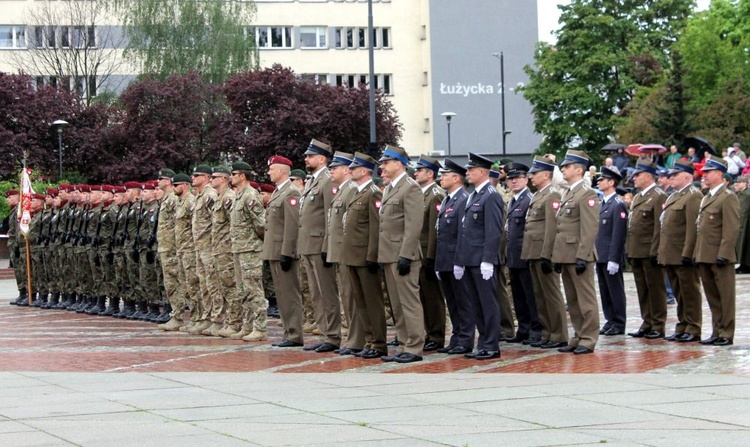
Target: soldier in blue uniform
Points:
(477, 257)
(448, 225)
(610, 249)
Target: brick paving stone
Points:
(33, 339)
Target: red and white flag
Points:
(24, 208)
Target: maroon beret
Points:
(278, 159)
(267, 188)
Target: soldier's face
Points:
(13, 200)
(36, 205)
(314, 162)
(164, 183)
(423, 176)
(200, 179)
(713, 177)
(391, 168)
(518, 184)
(642, 180)
(339, 174)
(475, 176)
(450, 180)
(740, 186)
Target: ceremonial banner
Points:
(24, 208)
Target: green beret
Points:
(202, 169)
(378, 181)
(181, 178)
(222, 169)
(241, 166)
(166, 173)
(297, 173)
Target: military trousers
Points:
(687, 291)
(504, 299)
(325, 297)
(170, 267)
(368, 329)
(189, 283)
(224, 270)
(459, 310)
(433, 305)
(582, 305)
(550, 303)
(720, 286)
(652, 294)
(612, 293)
(289, 299)
(249, 309)
(407, 308)
(485, 307)
(209, 281)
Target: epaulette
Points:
(409, 179)
(373, 187)
(437, 191)
(659, 190)
(618, 199)
(529, 194)
(726, 190)
(693, 189)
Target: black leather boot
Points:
(164, 316)
(140, 311)
(113, 308)
(21, 295)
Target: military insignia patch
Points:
(228, 203)
(250, 203)
(623, 215)
(334, 190)
(555, 205)
(592, 202)
(377, 204)
(293, 202)
(437, 207)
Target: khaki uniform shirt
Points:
(247, 221)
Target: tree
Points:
(68, 45)
(173, 37)
(604, 49)
(276, 112)
(164, 123)
(726, 119)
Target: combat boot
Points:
(213, 330)
(80, 301)
(37, 301)
(256, 336)
(239, 335)
(140, 311)
(127, 309)
(172, 325)
(226, 331)
(21, 293)
(87, 302)
(199, 327)
(113, 308)
(152, 314)
(23, 299)
(164, 315)
(100, 307)
(68, 302)
(54, 301)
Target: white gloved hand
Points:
(437, 274)
(612, 267)
(458, 272)
(487, 270)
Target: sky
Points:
(549, 14)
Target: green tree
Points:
(606, 49)
(174, 37)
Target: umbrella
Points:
(634, 150)
(613, 147)
(701, 145)
(652, 149)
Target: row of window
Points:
(78, 84)
(321, 1)
(381, 82)
(14, 36)
(318, 37)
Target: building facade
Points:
(432, 57)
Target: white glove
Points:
(612, 267)
(437, 274)
(487, 270)
(458, 272)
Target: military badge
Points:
(377, 204)
(592, 202)
(437, 207)
(293, 201)
(623, 215)
(555, 205)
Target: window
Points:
(317, 79)
(12, 36)
(338, 37)
(362, 34)
(65, 36)
(350, 38)
(272, 36)
(382, 82)
(385, 37)
(312, 37)
(44, 37)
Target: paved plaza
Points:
(73, 379)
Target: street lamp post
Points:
(59, 124)
(505, 133)
(373, 146)
(448, 116)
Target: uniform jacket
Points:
(201, 213)
(401, 217)
(361, 227)
(481, 228)
(221, 240)
(335, 228)
(613, 231)
(109, 219)
(183, 225)
(541, 224)
(448, 226)
(516, 226)
(643, 224)
(433, 197)
(577, 226)
(315, 202)
(165, 231)
(678, 228)
(247, 221)
(282, 223)
(718, 219)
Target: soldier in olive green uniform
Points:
(574, 252)
(188, 286)
(246, 316)
(53, 253)
(39, 218)
(221, 246)
(170, 263)
(43, 255)
(112, 197)
(280, 249)
(538, 240)
(718, 219)
(204, 262)
(643, 251)
(678, 235)
(79, 252)
(130, 266)
(149, 279)
(64, 221)
(98, 301)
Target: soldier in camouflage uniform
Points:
(265, 191)
(204, 258)
(188, 286)
(147, 256)
(64, 222)
(92, 261)
(170, 264)
(12, 196)
(104, 244)
(221, 249)
(247, 313)
(52, 253)
(39, 220)
(120, 254)
(77, 251)
(134, 305)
